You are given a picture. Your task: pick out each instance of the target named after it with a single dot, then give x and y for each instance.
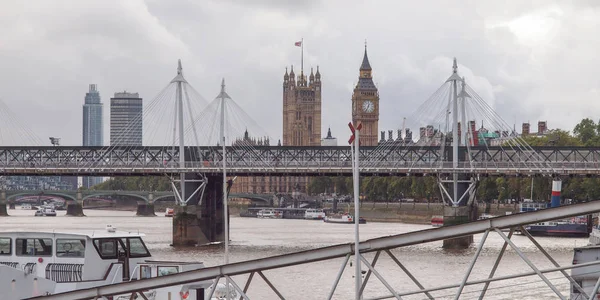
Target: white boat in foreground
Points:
(45, 263)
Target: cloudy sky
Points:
(531, 61)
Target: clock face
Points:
(368, 106)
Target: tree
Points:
(586, 130)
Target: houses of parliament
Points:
(302, 113)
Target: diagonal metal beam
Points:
(408, 273)
(236, 287)
(247, 284)
(462, 284)
(338, 277)
(385, 283)
(535, 242)
(364, 284)
(271, 285)
(214, 287)
(495, 267)
(531, 265)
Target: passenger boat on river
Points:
(44, 263)
(343, 219)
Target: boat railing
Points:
(116, 273)
(133, 272)
(11, 264)
(64, 272)
(29, 268)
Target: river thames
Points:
(256, 238)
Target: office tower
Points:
(126, 119)
(93, 134)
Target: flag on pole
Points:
(298, 44)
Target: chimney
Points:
(542, 127)
(525, 129)
(390, 135)
(422, 132)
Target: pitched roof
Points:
(365, 63)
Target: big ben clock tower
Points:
(365, 104)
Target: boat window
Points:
(167, 270)
(34, 247)
(70, 248)
(5, 246)
(137, 248)
(145, 272)
(107, 248)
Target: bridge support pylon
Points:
(462, 211)
(146, 209)
(75, 209)
(3, 202)
(200, 222)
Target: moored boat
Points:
(45, 212)
(574, 227)
(343, 219)
(269, 214)
(437, 221)
(314, 214)
(169, 212)
(44, 263)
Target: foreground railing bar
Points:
(214, 287)
(385, 283)
(496, 264)
(473, 261)
(410, 275)
(364, 284)
(340, 250)
(530, 264)
(248, 283)
(236, 287)
(270, 285)
(338, 277)
(480, 281)
(551, 259)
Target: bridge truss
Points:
(277, 160)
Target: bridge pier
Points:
(146, 209)
(3, 210)
(75, 209)
(201, 221)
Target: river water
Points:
(256, 238)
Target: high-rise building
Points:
(92, 127)
(365, 104)
(126, 111)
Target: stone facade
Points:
(301, 109)
(365, 104)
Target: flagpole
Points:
(302, 56)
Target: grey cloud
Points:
(54, 50)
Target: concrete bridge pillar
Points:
(75, 209)
(466, 211)
(201, 221)
(146, 209)
(3, 210)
